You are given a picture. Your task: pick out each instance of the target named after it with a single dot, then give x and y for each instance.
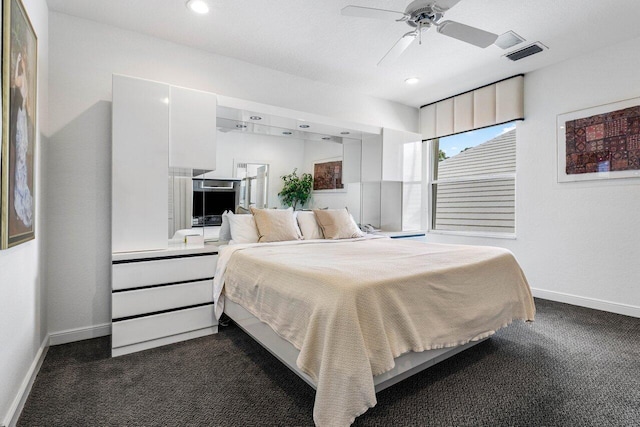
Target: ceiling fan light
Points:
(411, 80)
(198, 6)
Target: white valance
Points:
(499, 102)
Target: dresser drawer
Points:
(148, 328)
(132, 303)
(130, 275)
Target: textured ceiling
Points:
(311, 39)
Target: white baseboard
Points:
(597, 304)
(79, 334)
(25, 388)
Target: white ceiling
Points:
(310, 38)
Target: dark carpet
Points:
(572, 367)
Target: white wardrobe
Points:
(160, 294)
(155, 126)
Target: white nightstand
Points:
(162, 297)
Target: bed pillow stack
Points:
(279, 225)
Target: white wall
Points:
(84, 54)
(577, 242)
(22, 284)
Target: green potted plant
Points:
(296, 189)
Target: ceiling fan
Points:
(422, 15)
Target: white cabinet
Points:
(391, 206)
(161, 297)
(192, 133)
(393, 152)
(351, 156)
(140, 149)
(155, 126)
(372, 158)
(401, 173)
(388, 161)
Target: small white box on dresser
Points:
(162, 297)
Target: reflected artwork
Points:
(327, 175)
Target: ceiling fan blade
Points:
(397, 49)
(444, 5)
(369, 12)
(466, 33)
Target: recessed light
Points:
(412, 80)
(345, 133)
(198, 6)
(287, 133)
(241, 126)
(326, 138)
(255, 118)
(304, 126)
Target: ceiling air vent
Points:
(527, 51)
(508, 40)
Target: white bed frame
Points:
(405, 365)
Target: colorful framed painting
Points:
(19, 96)
(601, 142)
(327, 175)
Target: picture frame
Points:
(327, 176)
(601, 142)
(19, 110)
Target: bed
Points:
(354, 316)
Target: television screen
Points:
(208, 203)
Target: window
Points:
(472, 185)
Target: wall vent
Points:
(526, 51)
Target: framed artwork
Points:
(327, 175)
(601, 142)
(19, 95)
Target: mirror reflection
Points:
(249, 170)
(254, 184)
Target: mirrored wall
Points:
(251, 161)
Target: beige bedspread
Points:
(351, 307)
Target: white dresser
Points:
(162, 297)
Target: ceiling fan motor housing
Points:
(422, 13)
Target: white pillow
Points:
(243, 229)
(225, 229)
(309, 226)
